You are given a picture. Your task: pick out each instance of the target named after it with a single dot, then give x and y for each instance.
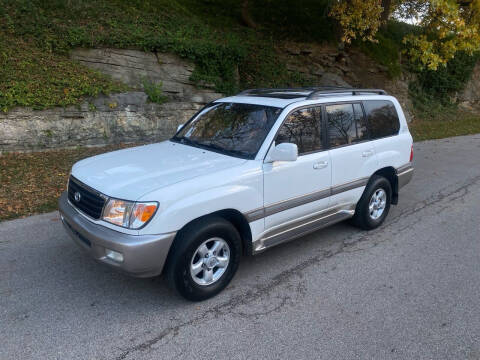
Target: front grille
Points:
(91, 203)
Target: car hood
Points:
(130, 173)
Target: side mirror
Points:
(179, 127)
(283, 152)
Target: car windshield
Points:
(230, 128)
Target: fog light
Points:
(114, 255)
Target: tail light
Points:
(411, 154)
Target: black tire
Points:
(362, 217)
(184, 248)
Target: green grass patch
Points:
(32, 77)
(208, 32)
(456, 124)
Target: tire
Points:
(365, 217)
(188, 252)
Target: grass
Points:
(461, 124)
(32, 77)
(33, 182)
(37, 35)
(210, 33)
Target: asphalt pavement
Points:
(408, 290)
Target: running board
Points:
(291, 231)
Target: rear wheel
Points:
(374, 205)
(204, 258)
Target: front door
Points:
(296, 189)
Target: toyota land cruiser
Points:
(244, 174)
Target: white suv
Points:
(245, 173)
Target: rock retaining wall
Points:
(129, 117)
(126, 117)
(469, 98)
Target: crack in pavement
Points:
(258, 291)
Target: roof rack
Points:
(313, 92)
(262, 91)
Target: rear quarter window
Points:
(382, 118)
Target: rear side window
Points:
(304, 128)
(382, 118)
(346, 124)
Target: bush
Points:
(154, 91)
(433, 93)
(388, 48)
(446, 80)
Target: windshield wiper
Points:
(186, 141)
(213, 146)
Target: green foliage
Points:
(446, 80)
(451, 123)
(57, 26)
(154, 91)
(386, 52)
(388, 46)
(264, 68)
(220, 46)
(32, 77)
(301, 20)
(36, 37)
(433, 92)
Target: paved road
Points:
(410, 289)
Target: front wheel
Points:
(374, 205)
(204, 258)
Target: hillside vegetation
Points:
(36, 37)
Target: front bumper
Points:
(143, 255)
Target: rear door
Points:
(392, 141)
(294, 189)
(352, 155)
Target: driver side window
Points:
(304, 128)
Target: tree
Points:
(446, 26)
(246, 17)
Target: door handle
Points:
(320, 165)
(367, 153)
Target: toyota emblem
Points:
(77, 196)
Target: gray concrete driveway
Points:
(409, 290)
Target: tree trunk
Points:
(246, 17)
(386, 4)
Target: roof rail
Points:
(314, 91)
(299, 89)
(315, 94)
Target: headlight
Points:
(132, 215)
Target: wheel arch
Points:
(390, 174)
(236, 218)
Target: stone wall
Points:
(129, 117)
(133, 67)
(125, 117)
(469, 98)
